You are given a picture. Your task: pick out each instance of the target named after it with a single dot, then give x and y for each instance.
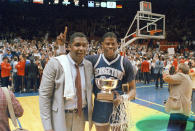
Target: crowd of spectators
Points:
(27, 59)
(28, 36)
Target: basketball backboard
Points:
(145, 25)
(150, 25)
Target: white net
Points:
(121, 116)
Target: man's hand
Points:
(61, 39)
(192, 72)
(165, 74)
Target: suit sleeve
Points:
(46, 90)
(174, 79)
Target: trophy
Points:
(125, 88)
(106, 85)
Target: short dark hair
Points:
(109, 34)
(15, 58)
(76, 34)
(160, 57)
(5, 57)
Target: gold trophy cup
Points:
(106, 85)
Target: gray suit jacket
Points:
(51, 95)
(179, 100)
(158, 67)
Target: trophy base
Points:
(105, 96)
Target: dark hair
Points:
(24, 56)
(76, 34)
(5, 57)
(15, 58)
(109, 34)
(172, 70)
(160, 57)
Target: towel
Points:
(69, 89)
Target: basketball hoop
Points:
(148, 26)
(134, 35)
(152, 32)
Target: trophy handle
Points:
(98, 83)
(125, 88)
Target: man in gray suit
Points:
(179, 101)
(58, 112)
(158, 69)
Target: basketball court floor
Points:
(147, 110)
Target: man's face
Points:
(78, 49)
(5, 60)
(20, 57)
(109, 46)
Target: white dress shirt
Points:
(72, 103)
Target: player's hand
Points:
(61, 39)
(118, 100)
(132, 95)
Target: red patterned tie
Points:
(78, 92)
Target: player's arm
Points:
(132, 92)
(92, 58)
(130, 78)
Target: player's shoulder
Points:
(127, 65)
(87, 62)
(126, 61)
(92, 58)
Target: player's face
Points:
(109, 46)
(78, 49)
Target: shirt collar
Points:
(72, 61)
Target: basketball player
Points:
(110, 65)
